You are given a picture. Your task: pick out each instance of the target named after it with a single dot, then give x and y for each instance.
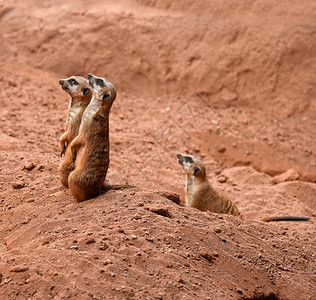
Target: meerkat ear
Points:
(197, 171)
(86, 92)
(106, 97)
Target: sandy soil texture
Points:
(231, 82)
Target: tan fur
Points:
(199, 193)
(81, 93)
(90, 149)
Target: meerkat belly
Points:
(92, 166)
(93, 157)
(98, 157)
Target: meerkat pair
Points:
(201, 195)
(86, 141)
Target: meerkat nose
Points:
(61, 81)
(90, 75)
(179, 155)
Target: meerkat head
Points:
(77, 87)
(103, 90)
(192, 166)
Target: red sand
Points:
(232, 82)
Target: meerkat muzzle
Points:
(180, 158)
(91, 79)
(64, 85)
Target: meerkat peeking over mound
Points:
(199, 193)
(81, 93)
(90, 149)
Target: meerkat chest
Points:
(89, 113)
(73, 112)
(198, 193)
(190, 191)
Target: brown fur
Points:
(199, 193)
(90, 149)
(81, 93)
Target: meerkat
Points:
(90, 149)
(81, 93)
(201, 195)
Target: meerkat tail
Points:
(107, 187)
(284, 218)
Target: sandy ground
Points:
(233, 83)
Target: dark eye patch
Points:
(188, 159)
(73, 82)
(100, 82)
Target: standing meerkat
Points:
(90, 149)
(201, 195)
(81, 93)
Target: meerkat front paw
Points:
(63, 149)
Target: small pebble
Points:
(108, 262)
(90, 241)
(222, 179)
(19, 269)
(221, 149)
(18, 185)
(29, 167)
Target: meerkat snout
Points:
(91, 79)
(180, 159)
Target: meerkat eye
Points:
(100, 82)
(73, 81)
(85, 92)
(188, 159)
(197, 171)
(106, 97)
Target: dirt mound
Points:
(232, 83)
(139, 244)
